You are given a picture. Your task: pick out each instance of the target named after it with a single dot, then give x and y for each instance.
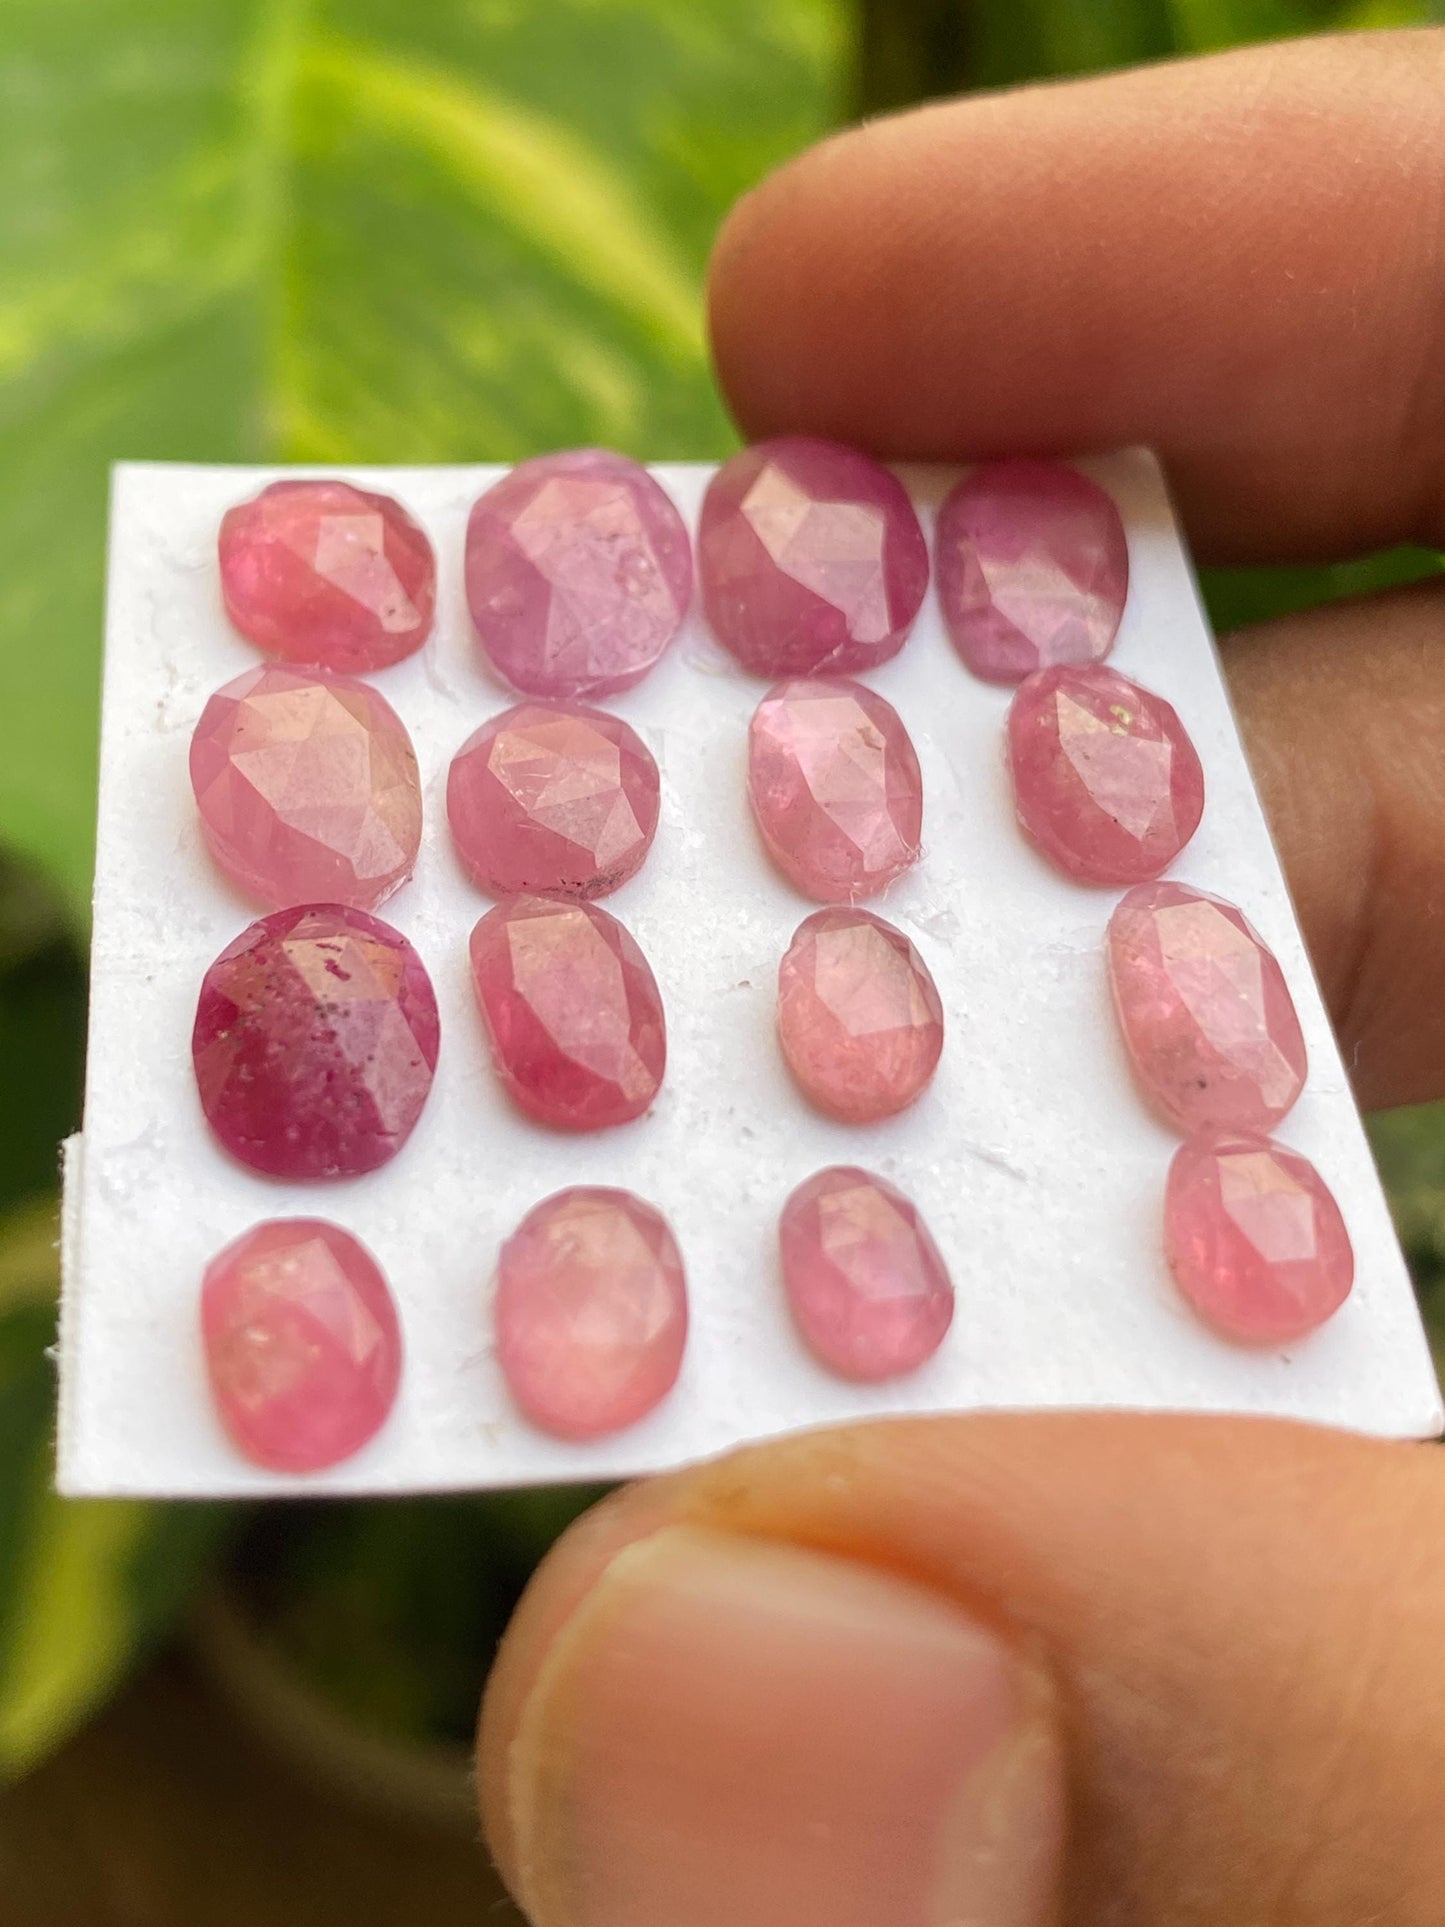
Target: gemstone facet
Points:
(302, 1346)
(866, 1284)
(859, 1016)
(1106, 781)
(553, 798)
(1208, 1022)
(810, 559)
(579, 573)
(835, 788)
(572, 1011)
(315, 1040)
(1033, 568)
(321, 573)
(1254, 1238)
(591, 1312)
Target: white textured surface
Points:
(1031, 1157)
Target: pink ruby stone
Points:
(859, 1016)
(315, 1040)
(322, 573)
(1106, 782)
(835, 788)
(553, 798)
(572, 1011)
(307, 788)
(302, 1344)
(867, 1286)
(810, 558)
(1254, 1238)
(1033, 568)
(579, 573)
(591, 1312)
(1208, 1021)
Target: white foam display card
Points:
(1031, 1157)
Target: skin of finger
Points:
(1235, 260)
(1241, 1620)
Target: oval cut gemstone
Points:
(1254, 1238)
(579, 573)
(859, 1016)
(835, 787)
(572, 1011)
(867, 1286)
(1208, 1021)
(591, 1312)
(321, 573)
(553, 798)
(315, 1040)
(1033, 568)
(307, 788)
(810, 558)
(1106, 782)
(302, 1345)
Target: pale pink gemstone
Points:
(1254, 1238)
(320, 572)
(1106, 781)
(1033, 568)
(579, 573)
(572, 1011)
(867, 1286)
(859, 1016)
(591, 1312)
(307, 788)
(553, 798)
(302, 1344)
(810, 558)
(835, 787)
(1208, 1021)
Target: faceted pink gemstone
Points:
(591, 1312)
(859, 1015)
(320, 572)
(810, 558)
(307, 787)
(1254, 1238)
(579, 574)
(1208, 1021)
(315, 1041)
(1033, 568)
(302, 1344)
(835, 788)
(554, 798)
(868, 1288)
(1106, 782)
(572, 1010)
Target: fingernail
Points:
(731, 1731)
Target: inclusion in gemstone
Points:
(307, 788)
(1106, 782)
(578, 572)
(835, 787)
(572, 1011)
(810, 559)
(319, 572)
(859, 1015)
(1254, 1238)
(315, 1041)
(1033, 568)
(553, 798)
(867, 1286)
(590, 1311)
(302, 1344)
(1208, 1021)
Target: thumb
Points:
(987, 1672)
